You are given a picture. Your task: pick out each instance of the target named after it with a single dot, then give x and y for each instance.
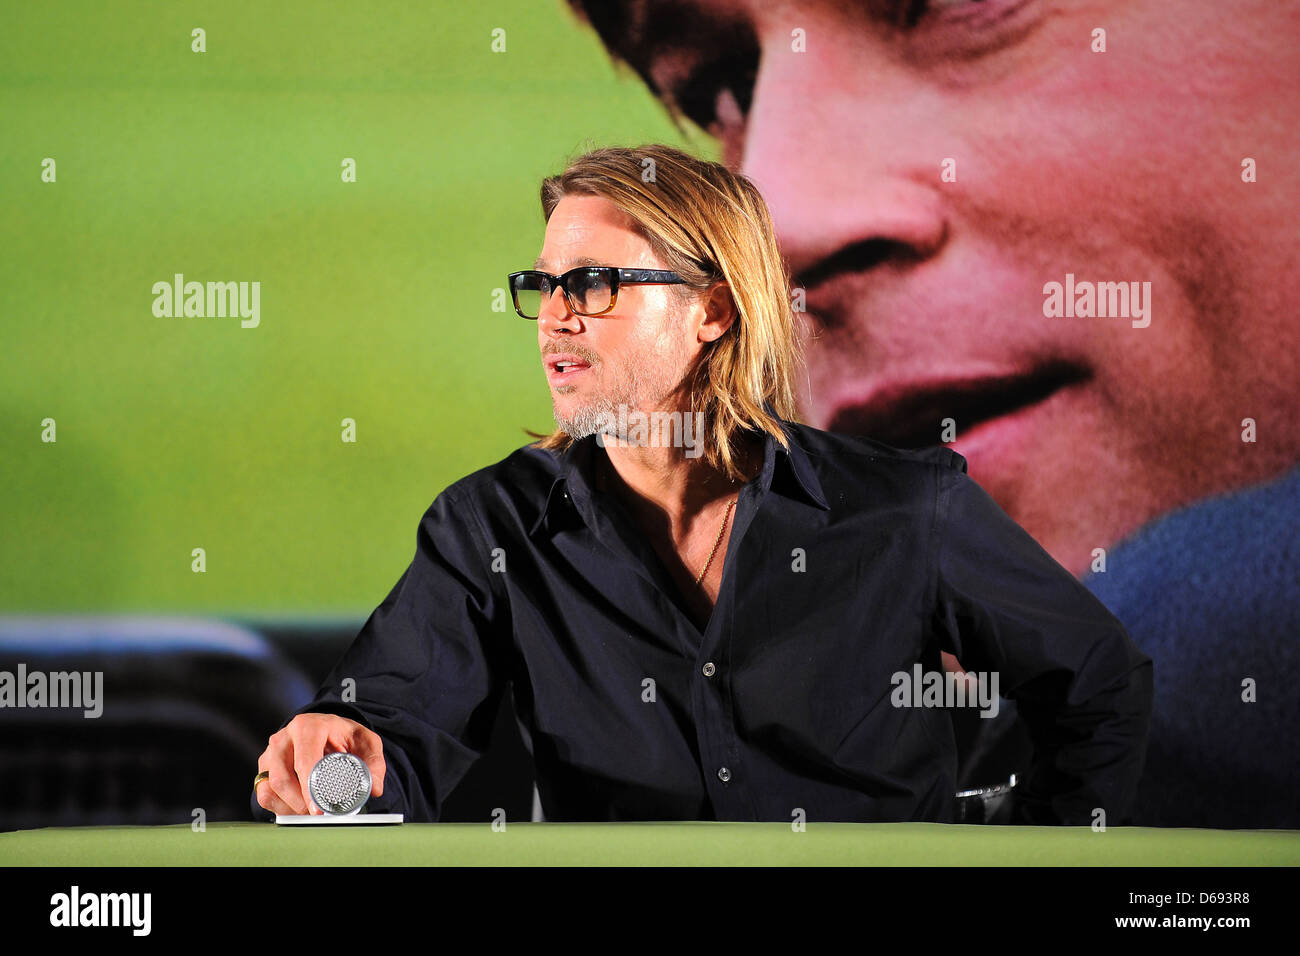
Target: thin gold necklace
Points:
(603, 484)
(718, 540)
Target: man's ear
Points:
(719, 312)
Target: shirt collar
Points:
(788, 472)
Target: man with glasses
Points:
(754, 633)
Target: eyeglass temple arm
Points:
(649, 275)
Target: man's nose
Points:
(553, 314)
(857, 176)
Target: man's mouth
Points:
(561, 369)
(911, 414)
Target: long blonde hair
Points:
(709, 225)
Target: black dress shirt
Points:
(849, 562)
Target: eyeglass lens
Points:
(589, 292)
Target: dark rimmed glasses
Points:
(589, 290)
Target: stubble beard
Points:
(646, 382)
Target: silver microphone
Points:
(339, 784)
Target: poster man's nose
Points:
(863, 166)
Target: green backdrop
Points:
(376, 296)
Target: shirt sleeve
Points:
(428, 666)
(1003, 605)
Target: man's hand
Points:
(292, 752)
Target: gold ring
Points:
(264, 775)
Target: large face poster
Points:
(1040, 233)
(256, 319)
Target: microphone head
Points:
(339, 783)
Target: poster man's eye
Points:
(910, 12)
(697, 96)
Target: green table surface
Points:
(645, 844)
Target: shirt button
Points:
(724, 774)
(709, 669)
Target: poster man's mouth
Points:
(910, 414)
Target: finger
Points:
(367, 745)
(308, 747)
(283, 783)
(267, 798)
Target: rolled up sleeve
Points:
(429, 665)
(1003, 604)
